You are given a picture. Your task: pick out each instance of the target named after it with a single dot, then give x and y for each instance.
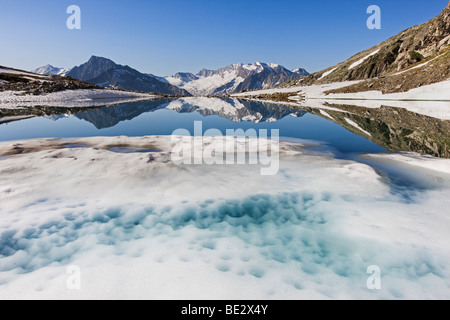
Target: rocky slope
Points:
(94, 67)
(424, 73)
(414, 47)
(126, 78)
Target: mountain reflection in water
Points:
(391, 128)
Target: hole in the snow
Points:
(133, 150)
(74, 146)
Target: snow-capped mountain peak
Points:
(250, 67)
(51, 70)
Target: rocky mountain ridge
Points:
(412, 50)
(106, 73)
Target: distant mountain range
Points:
(415, 57)
(234, 78)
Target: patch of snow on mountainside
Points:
(250, 67)
(326, 74)
(419, 66)
(357, 63)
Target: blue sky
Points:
(167, 36)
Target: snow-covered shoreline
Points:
(310, 92)
(432, 100)
(71, 98)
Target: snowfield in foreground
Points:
(139, 226)
(70, 98)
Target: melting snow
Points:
(139, 226)
(357, 63)
(415, 160)
(326, 74)
(250, 67)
